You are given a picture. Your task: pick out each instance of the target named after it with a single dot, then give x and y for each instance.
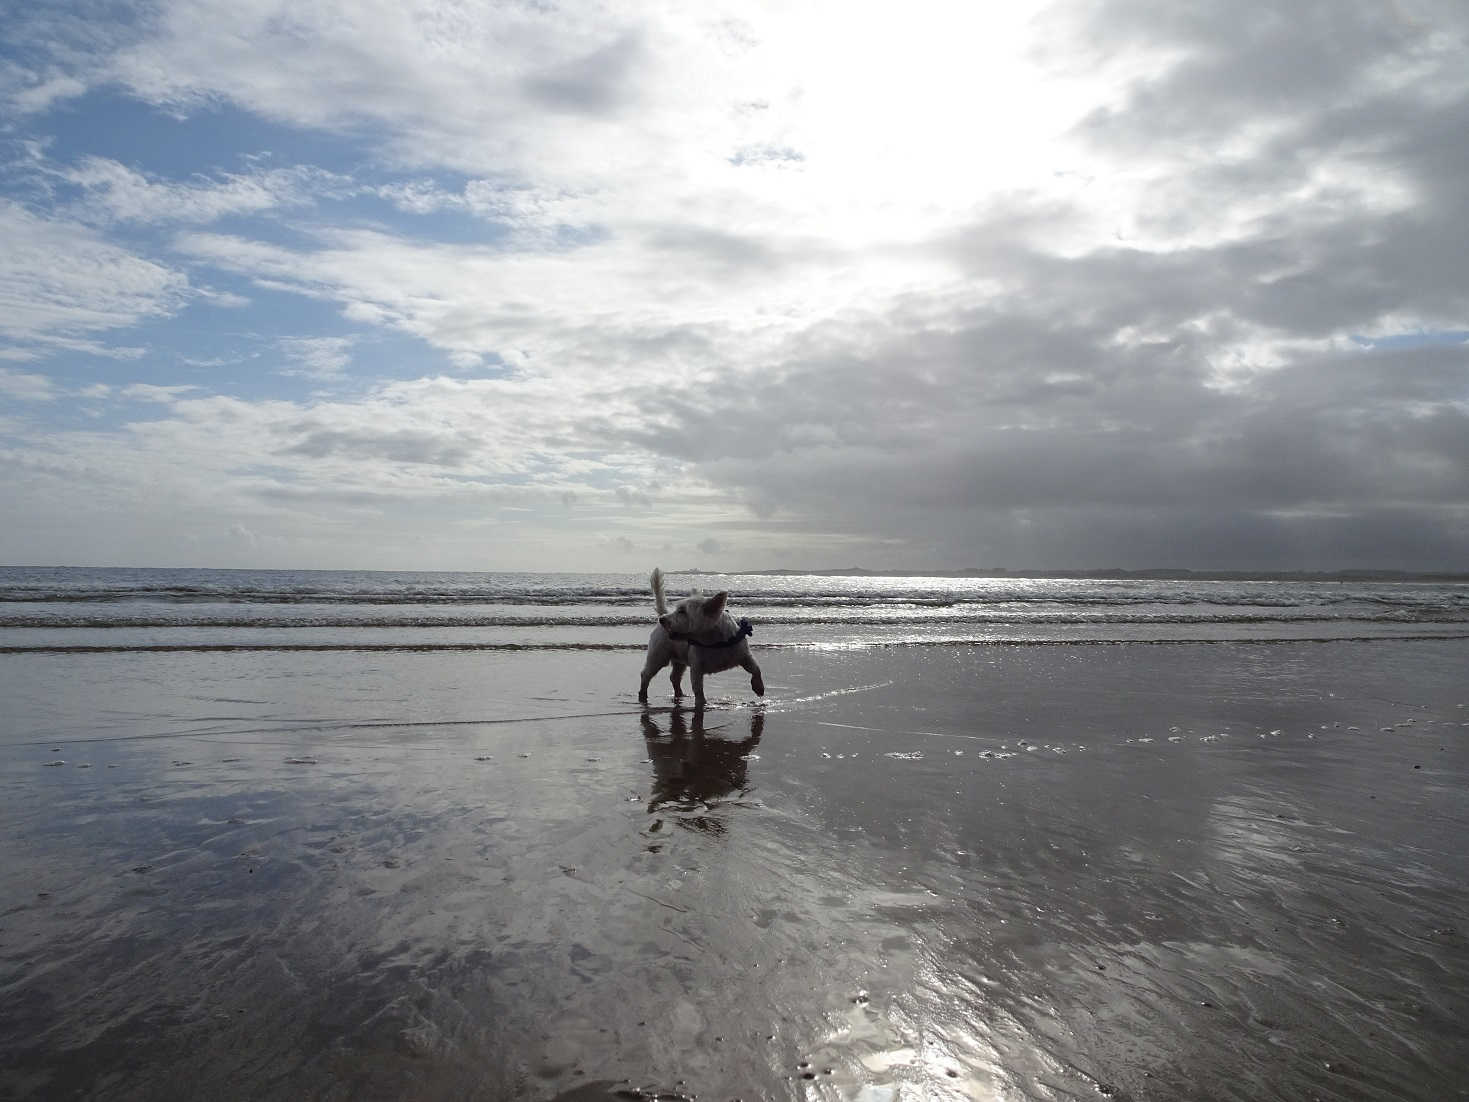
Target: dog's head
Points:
(694, 615)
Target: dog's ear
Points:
(714, 605)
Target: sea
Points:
(82, 610)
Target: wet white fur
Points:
(703, 619)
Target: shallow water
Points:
(1222, 871)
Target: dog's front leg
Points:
(696, 675)
(676, 676)
(753, 669)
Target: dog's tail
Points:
(659, 601)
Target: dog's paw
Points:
(758, 684)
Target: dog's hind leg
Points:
(757, 682)
(650, 668)
(676, 676)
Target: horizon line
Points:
(1150, 572)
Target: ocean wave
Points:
(1426, 616)
(852, 644)
(220, 609)
(174, 595)
(1444, 597)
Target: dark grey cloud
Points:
(1301, 277)
(598, 83)
(394, 446)
(716, 250)
(1309, 64)
(1199, 406)
(985, 427)
(631, 497)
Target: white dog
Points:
(700, 635)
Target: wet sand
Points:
(1134, 871)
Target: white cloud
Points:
(39, 95)
(114, 192)
(225, 300)
(60, 282)
(305, 476)
(419, 196)
(151, 392)
(53, 56)
(637, 111)
(26, 387)
(646, 304)
(321, 358)
(244, 536)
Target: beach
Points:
(1013, 870)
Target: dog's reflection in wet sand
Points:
(694, 770)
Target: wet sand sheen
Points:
(1174, 871)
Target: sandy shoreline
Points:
(1171, 871)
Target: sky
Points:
(580, 286)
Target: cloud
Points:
(225, 300)
(150, 392)
(323, 358)
(114, 192)
(1120, 286)
(25, 387)
(598, 83)
(428, 448)
(242, 535)
(478, 303)
(52, 52)
(306, 476)
(778, 155)
(419, 196)
(1004, 425)
(459, 86)
(61, 282)
(40, 92)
